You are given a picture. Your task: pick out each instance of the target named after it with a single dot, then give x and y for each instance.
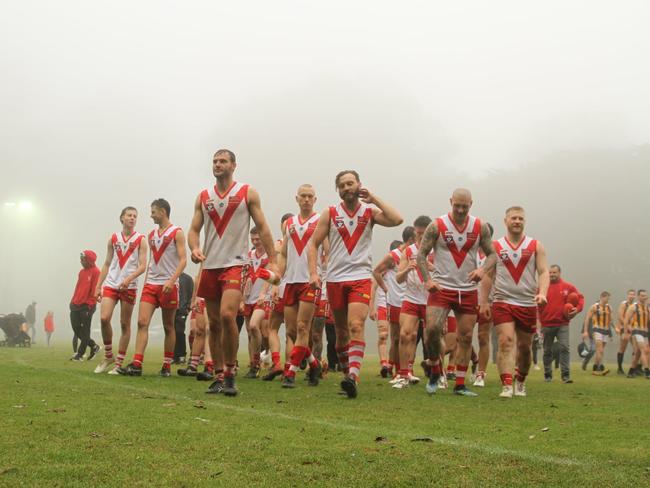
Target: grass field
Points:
(62, 425)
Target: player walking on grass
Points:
(413, 305)
(166, 263)
(348, 225)
(225, 210)
(254, 302)
(520, 284)
(636, 324)
(484, 326)
(126, 259)
(300, 299)
(624, 337)
(599, 316)
(455, 239)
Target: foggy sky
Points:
(107, 104)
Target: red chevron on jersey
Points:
(167, 240)
(263, 261)
(522, 258)
(221, 221)
(459, 255)
(297, 241)
(350, 240)
(123, 258)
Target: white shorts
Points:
(640, 337)
(604, 338)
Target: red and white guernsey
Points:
(255, 262)
(516, 274)
(350, 237)
(299, 233)
(455, 252)
(163, 254)
(126, 254)
(415, 291)
(396, 290)
(226, 221)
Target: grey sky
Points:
(109, 104)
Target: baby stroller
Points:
(13, 326)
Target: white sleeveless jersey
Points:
(350, 237)
(298, 235)
(516, 274)
(255, 262)
(396, 290)
(126, 254)
(163, 255)
(415, 291)
(226, 221)
(380, 297)
(455, 251)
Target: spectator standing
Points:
(49, 326)
(83, 305)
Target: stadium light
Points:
(26, 205)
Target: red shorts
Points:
(344, 292)
(461, 302)
(452, 325)
(200, 308)
(419, 311)
(154, 294)
(279, 306)
(393, 314)
(215, 281)
(321, 309)
(295, 292)
(250, 307)
(126, 296)
(524, 318)
(382, 313)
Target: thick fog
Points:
(112, 104)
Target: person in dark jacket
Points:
(30, 319)
(83, 305)
(186, 288)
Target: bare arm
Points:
(403, 269)
(281, 251)
(319, 235)
(104, 271)
(426, 246)
(179, 239)
(620, 324)
(490, 256)
(378, 273)
(628, 319)
(384, 214)
(543, 278)
(193, 235)
(255, 209)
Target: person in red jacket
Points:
(555, 324)
(48, 326)
(83, 305)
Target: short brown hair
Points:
(605, 294)
(343, 173)
(125, 210)
(515, 208)
(231, 155)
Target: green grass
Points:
(62, 425)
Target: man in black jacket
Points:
(186, 288)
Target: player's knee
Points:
(143, 324)
(125, 327)
(228, 316)
(483, 340)
(303, 327)
(105, 321)
(356, 326)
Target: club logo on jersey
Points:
(338, 222)
(449, 237)
(292, 229)
(503, 255)
(209, 205)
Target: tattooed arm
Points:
(426, 246)
(490, 255)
